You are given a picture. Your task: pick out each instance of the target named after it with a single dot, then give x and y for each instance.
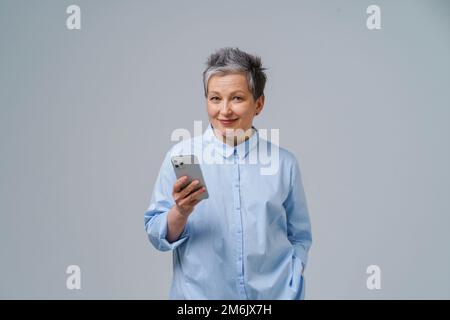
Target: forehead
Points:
(228, 83)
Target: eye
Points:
(214, 98)
(237, 98)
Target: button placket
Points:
(238, 223)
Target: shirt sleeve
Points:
(298, 221)
(155, 218)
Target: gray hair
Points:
(232, 60)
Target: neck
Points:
(235, 139)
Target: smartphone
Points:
(187, 165)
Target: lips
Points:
(227, 121)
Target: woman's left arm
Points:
(298, 221)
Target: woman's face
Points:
(230, 103)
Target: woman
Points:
(250, 239)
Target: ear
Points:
(259, 104)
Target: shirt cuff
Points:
(301, 254)
(163, 243)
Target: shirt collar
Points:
(242, 149)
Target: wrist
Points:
(178, 215)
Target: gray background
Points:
(86, 117)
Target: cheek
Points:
(211, 109)
(245, 112)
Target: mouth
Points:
(226, 122)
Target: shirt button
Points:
(236, 185)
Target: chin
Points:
(231, 129)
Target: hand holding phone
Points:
(190, 188)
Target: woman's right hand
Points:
(185, 199)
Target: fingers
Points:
(196, 195)
(189, 200)
(191, 187)
(192, 202)
(179, 184)
(185, 197)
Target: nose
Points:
(225, 108)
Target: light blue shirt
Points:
(250, 239)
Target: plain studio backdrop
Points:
(86, 117)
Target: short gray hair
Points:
(232, 60)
